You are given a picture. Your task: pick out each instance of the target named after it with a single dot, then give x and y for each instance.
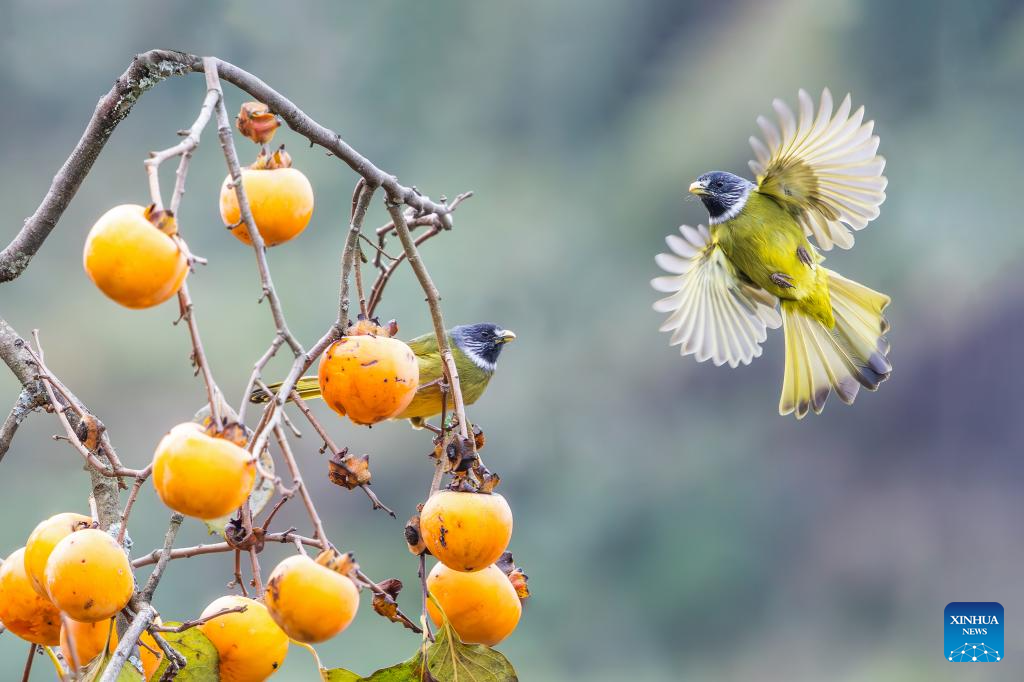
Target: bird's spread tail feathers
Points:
(307, 388)
(852, 354)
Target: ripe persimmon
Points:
(43, 539)
(251, 645)
(22, 610)
(482, 607)
(89, 638)
(311, 603)
(466, 531)
(131, 259)
(88, 576)
(201, 475)
(368, 378)
(280, 197)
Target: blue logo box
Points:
(973, 632)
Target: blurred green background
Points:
(673, 525)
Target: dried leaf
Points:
(349, 471)
(201, 656)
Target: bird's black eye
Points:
(718, 184)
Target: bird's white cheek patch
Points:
(734, 210)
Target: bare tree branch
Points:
(144, 72)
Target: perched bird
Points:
(475, 347)
(819, 177)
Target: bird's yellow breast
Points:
(763, 239)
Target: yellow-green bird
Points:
(818, 176)
(475, 347)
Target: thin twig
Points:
(60, 408)
(227, 144)
(422, 575)
(74, 664)
(216, 548)
(365, 581)
(188, 624)
(129, 640)
(330, 445)
(183, 149)
(307, 499)
(434, 303)
(257, 371)
(154, 578)
(28, 663)
(139, 480)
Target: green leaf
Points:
(94, 670)
(262, 492)
(449, 660)
(408, 671)
(200, 655)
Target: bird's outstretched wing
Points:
(713, 314)
(823, 167)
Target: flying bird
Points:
(475, 347)
(817, 176)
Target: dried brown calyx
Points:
(519, 579)
(256, 122)
(349, 471)
(162, 220)
(339, 562)
(372, 326)
(233, 431)
(413, 536)
(272, 161)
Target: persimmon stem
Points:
(28, 663)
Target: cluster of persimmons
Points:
(69, 582)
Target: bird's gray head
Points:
(723, 194)
(482, 342)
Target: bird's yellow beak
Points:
(506, 336)
(698, 188)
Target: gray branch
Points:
(147, 70)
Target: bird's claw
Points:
(804, 256)
(781, 279)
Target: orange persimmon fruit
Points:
(22, 610)
(368, 378)
(88, 576)
(482, 607)
(131, 259)
(200, 475)
(43, 539)
(466, 531)
(251, 645)
(309, 602)
(280, 198)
